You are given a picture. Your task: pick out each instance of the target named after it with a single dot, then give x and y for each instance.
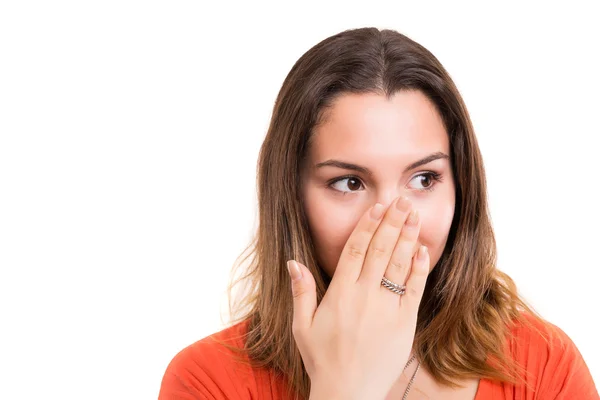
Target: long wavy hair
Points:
(468, 306)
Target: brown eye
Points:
(427, 180)
(350, 182)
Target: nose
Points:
(389, 197)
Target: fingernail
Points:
(294, 270)
(403, 204)
(413, 218)
(422, 252)
(376, 211)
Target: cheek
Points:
(330, 227)
(435, 226)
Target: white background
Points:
(129, 137)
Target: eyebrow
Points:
(365, 170)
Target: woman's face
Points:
(379, 140)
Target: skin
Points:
(385, 137)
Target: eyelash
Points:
(437, 178)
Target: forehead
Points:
(372, 127)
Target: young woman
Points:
(372, 185)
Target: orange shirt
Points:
(207, 370)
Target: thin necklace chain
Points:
(412, 379)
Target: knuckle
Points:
(410, 231)
(398, 265)
(396, 223)
(355, 251)
(409, 235)
(298, 290)
(402, 251)
(414, 293)
(378, 249)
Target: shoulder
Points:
(552, 361)
(531, 333)
(209, 369)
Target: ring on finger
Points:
(394, 287)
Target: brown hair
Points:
(468, 305)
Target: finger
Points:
(305, 296)
(383, 243)
(415, 285)
(353, 255)
(402, 258)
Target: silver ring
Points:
(394, 287)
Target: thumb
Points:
(305, 295)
